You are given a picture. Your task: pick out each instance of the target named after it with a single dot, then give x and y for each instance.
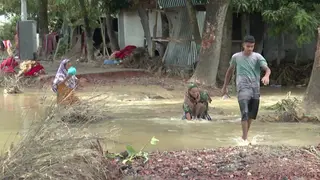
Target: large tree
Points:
(226, 46)
(111, 34)
(88, 29)
(110, 8)
(206, 71)
(312, 98)
(43, 21)
(144, 18)
(193, 20)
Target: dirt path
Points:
(90, 75)
(82, 68)
(253, 162)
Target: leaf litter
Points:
(252, 162)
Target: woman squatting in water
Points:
(196, 103)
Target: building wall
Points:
(130, 28)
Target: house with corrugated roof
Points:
(173, 31)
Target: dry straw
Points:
(55, 149)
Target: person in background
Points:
(196, 103)
(65, 83)
(247, 64)
(6, 45)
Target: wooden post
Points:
(155, 28)
(102, 27)
(55, 53)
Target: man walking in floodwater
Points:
(247, 64)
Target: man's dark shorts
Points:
(249, 108)
(249, 99)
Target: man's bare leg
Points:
(249, 124)
(245, 129)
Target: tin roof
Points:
(178, 3)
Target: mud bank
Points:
(112, 74)
(253, 162)
(119, 77)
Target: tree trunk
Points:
(179, 51)
(312, 98)
(226, 46)
(165, 33)
(103, 35)
(143, 14)
(88, 30)
(43, 23)
(207, 68)
(112, 35)
(260, 31)
(259, 44)
(280, 48)
(193, 21)
(154, 35)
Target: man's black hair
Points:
(249, 39)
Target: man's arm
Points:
(267, 71)
(228, 76)
(264, 65)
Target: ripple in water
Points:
(255, 140)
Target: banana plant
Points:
(132, 153)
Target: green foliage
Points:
(95, 8)
(7, 30)
(13, 7)
(299, 17)
(250, 6)
(113, 6)
(60, 9)
(293, 18)
(132, 154)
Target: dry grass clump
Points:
(289, 109)
(14, 85)
(288, 74)
(11, 84)
(84, 112)
(53, 150)
(139, 59)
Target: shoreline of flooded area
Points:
(143, 112)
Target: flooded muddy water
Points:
(143, 112)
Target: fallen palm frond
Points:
(51, 149)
